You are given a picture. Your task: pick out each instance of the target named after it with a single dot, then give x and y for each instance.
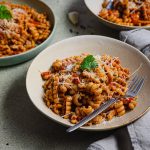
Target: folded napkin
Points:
(139, 38)
(139, 131)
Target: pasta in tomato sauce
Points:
(76, 86)
(25, 30)
(127, 12)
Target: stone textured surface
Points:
(22, 126)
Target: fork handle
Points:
(92, 115)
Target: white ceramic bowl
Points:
(22, 57)
(129, 56)
(95, 7)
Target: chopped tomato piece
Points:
(74, 75)
(130, 99)
(76, 80)
(135, 18)
(45, 75)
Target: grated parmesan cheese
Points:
(8, 24)
(69, 67)
(8, 27)
(64, 77)
(97, 57)
(17, 11)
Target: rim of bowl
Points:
(86, 128)
(41, 44)
(112, 23)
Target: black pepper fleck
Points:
(82, 27)
(70, 30)
(7, 143)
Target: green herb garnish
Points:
(5, 13)
(88, 63)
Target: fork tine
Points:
(132, 81)
(134, 84)
(139, 86)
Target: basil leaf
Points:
(5, 13)
(88, 63)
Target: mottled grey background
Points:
(22, 126)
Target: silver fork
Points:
(110, 4)
(133, 89)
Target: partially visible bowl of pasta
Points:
(114, 18)
(71, 88)
(25, 31)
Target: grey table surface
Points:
(22, 126)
